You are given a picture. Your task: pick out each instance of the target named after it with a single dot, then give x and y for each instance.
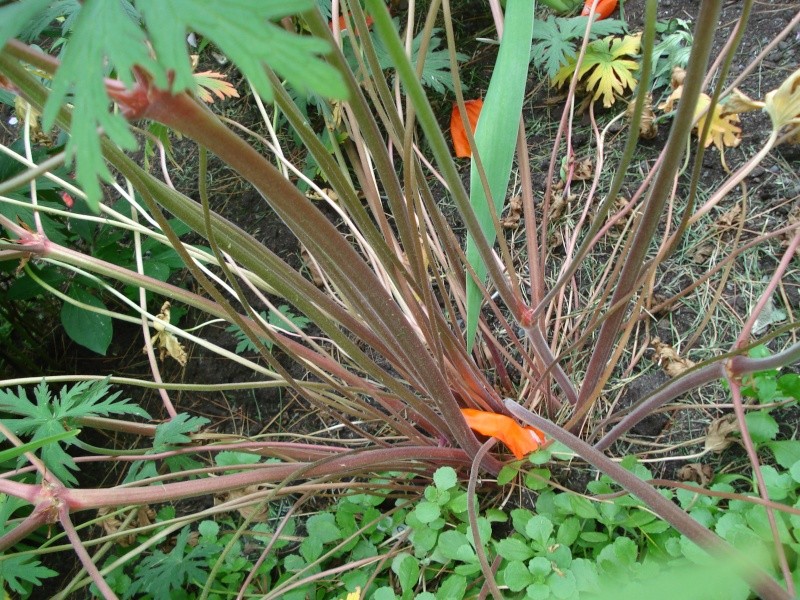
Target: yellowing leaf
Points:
(783, 105)
(165, 341)
(211, 81)
(724, 130)
(739, 102)
(607, 68)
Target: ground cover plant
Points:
(424, 309)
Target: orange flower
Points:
(604, 8)
(520, 440)
(457, 130)
(343, 23)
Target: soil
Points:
(774, 191)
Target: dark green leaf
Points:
(16, 569)
(89, 329)
(323, 527)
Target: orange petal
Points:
(520, 440)
(604, 8)
(343, 23)
(457, 129)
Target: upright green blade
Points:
(496, 137)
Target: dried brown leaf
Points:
(696, 472)
(703, 253)
(727, 219)
(583, 170)
(165, 341)
(514, 214)
(557, 208)
(720, 433)
(647, 125)
(669, 359)
(257, 511)
(111, 524)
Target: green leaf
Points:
(445, 478)
(244, 31)
(276, 318)
(104, 35)
(516, 576)
(455, 545)
(540, 566)
(539, 528)
(789, 385)
(89, 329)
(568, 531)
(226, 459)
(761, 425)
(514, 549)
(208, 529)
(169, 435)
(508, 473)
(15, 16)
(557, 40)
(779, 485)
(384, 593)
(495, 138)
(436, 70)
(323, 527)
(406, 567)
(427, 511)
(794, 471)
(453, 587)
(52, 417)
(173, 571)
(16, 569)
(33, 446)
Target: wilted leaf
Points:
(257, 511)
(512, 218)
(313, 267)
(724, 131)
(769, 314)
(696, 472)
(212, 82)
(647, 125)
(738, 102)
(669, 359)
(144, 516)
(703, 253)
(729, 217)
(720, 433)
(165, 341)
(783, 104)
(583, 170)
